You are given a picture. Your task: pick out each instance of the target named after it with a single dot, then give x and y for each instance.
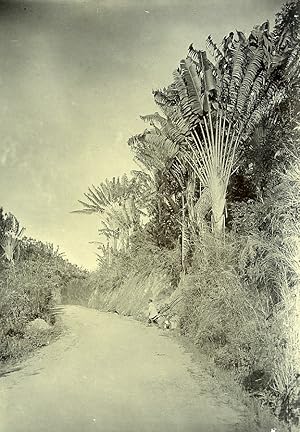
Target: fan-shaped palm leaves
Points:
(159, 151)
(109, 191)
(116, 203)
(156, 151)
(192, 147)
(218, 106)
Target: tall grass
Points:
(221, 315)
(145, 271)
(286, 221)
(31, 288)
(242, 297)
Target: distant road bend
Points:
(110, 374)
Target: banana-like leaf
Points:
(217, 53)
(209, 109)
(10, 237)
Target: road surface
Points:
(110, 374)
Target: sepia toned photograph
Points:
(149, 216)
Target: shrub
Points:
(26, 293)
(242, 301)
(30, 288)
(145, 271)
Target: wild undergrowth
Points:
(126, 285)
(222, 210)
(241, 296)
(32, 286)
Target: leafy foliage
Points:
(118, 202)
(39, 280)
(221, 208)
(10, 235)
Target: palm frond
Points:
(213, 48)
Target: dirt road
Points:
(110, 374)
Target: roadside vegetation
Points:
(34, 280)
(208, 226)
(212, 215)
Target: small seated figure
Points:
(153, 313)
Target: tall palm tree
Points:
(158, 152)
(218, 106)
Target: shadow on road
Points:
(5, 372)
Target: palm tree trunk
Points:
(218, 202)
(212, 161)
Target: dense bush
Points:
(222, 209)
(31, 286)
(26, 293)
(220, 314)
(144, 271)
(241, 295)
